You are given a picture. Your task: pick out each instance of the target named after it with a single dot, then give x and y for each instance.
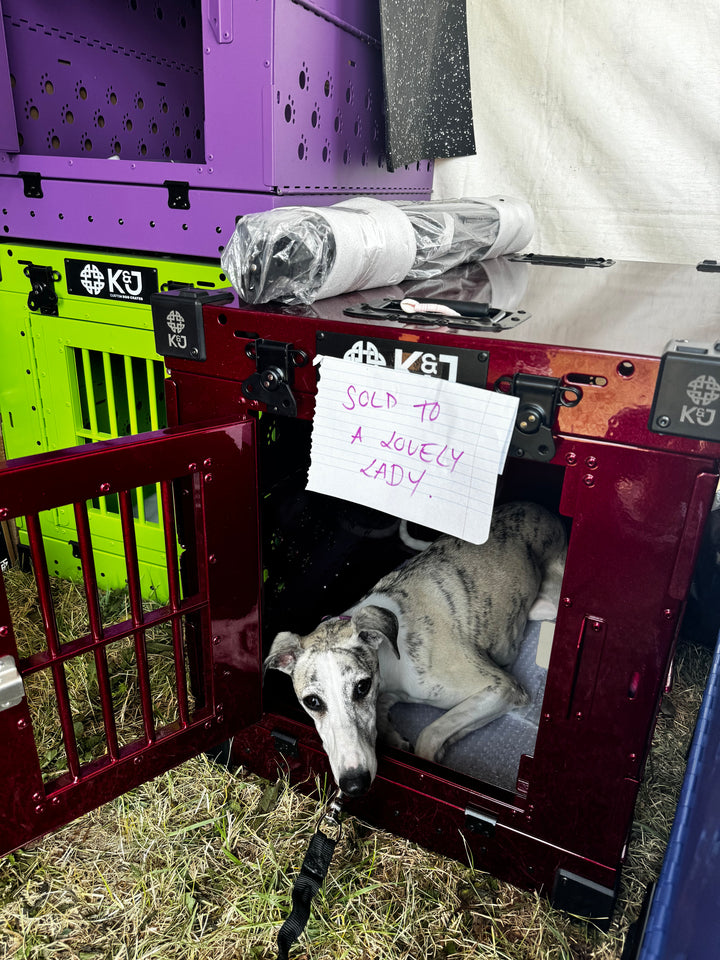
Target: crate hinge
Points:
(539, 399)
(285, 743)
(32, 185)
(11, 685)
(480, 822)
(178, 194)
(271, 383)
(42, 298)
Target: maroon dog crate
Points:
(632, 468)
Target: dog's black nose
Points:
(355, 782)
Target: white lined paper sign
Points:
(417, 447)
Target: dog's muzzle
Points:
(355, 782)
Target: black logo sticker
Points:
(110, 281)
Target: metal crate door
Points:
(88, 708)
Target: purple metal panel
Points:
(273, 96)
(134, 218)
(8, 125)
(220, 597)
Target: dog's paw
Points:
(428, 747)
(391, 738)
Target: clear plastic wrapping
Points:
(297, 255)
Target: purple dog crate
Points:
(152, 124)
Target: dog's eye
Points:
(314, 703)
(362, 688)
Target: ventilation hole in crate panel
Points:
(289, 111)
(357, 128)
(302, 149)
(81, 91)
(315, 117)
(328, 86)
(128, 123)
(153, 126)
(303, 79)
(166, 150)
(186, 111)
(49, 87)
(159, 12)
(116, 147)
(346, 155)
(142, 149)
(337, 123)
(31, 111)
(164, 106)
(326, 152)
(139, 102)
(67, 115)
(111, 96)
(349, 93)
(176, 130)
(53, 140)
(87, 144)
(13, 81)
(363, 158)
(99, 119)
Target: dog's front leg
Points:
(474, 712)
(386, 731)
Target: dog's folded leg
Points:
(386, 731)
(476, 711)
(547, 601)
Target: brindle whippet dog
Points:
(442, 630)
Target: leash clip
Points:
(330, 818)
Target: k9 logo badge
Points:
(110, 281)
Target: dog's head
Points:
(334, 671)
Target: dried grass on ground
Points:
(198, 864)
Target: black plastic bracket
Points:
(479, 822)
(708, 266)
(178, 194)
(539, 399)
(32, 185)
(42, 297)
(285, 744)
(687, 391)
(583, 898)
(547, 260)
(271, 383)
(178, 320)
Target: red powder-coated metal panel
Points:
(213, 613)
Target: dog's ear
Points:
(375, 624)
(284, 652)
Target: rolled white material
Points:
(300, 254)
(374, 245)
(517, 225)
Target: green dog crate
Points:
(79, 365)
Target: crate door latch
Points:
(539, 399)
(271, 383)
(42, 297)
(11, 686)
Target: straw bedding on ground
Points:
(199, 863)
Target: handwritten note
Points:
(416, 447)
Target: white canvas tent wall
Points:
(605, 117)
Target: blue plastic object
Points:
(684, 918)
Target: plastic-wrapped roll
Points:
(297, 255)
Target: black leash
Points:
(312, 873)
